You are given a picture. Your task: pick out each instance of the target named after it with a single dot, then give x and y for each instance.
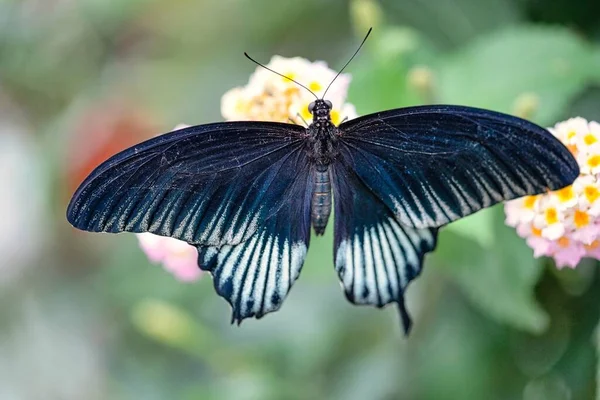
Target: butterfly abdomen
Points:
(321, 199)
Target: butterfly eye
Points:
(311, 107)
(328, 104)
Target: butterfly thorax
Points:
(322, 134)
(322, 138)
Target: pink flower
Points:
(176, 256)
(568, 253)
(565, 224)
(541, 247)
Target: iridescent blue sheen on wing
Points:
(208, 185)
(435, 164)
(256, 275)
(376, 257)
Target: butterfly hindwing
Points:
(256, 275)
(208, 185)
(376, 257)
(434, 164)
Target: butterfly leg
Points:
(302, 118)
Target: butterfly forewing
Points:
(208, 185)
(434, 164)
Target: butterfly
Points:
(246, 194)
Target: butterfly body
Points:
(322, 137)
(321, 199)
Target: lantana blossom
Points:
(565, 224)
(266, 97)
(270, 97)
(176, 256)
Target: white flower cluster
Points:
(565, 224)
(270, 97)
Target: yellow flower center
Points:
(290, 75)
(305, 113)
(291, 91)
(536, 232)
(593, 245)
(335, 117)
(565, 194)
(589, 139)
(315, 86)
(594, 161)
(240, 106)
(571, 134)
(563, 242)
(572, 148)
(551, 216)
(529, 202)
(591, 193)
(581, 218)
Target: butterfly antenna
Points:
(283, 76)
(345, 65)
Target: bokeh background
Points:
(86, 316)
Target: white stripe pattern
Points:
(376, 263)
(256, 275)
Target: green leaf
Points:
(452, 22)
(595, 67)
(552, 387)
(477, 228)
(497, 271)
(597, 337)
(550, 63)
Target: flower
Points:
(270, 97)
(177, 257)
(565, 224)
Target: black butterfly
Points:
(246, 193)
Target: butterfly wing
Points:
(376, 257)
(256, 275)
(434, 164)
(222, 188)
(208, 185)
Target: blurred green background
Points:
(86, 316)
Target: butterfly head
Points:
(320, 109)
